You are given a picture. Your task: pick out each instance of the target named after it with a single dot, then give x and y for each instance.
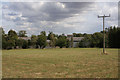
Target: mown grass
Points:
(60, 63)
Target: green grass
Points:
(60, 63)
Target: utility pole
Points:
(103, 31)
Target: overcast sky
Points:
(58, 17)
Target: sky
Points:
(58, 17)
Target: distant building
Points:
(25, 38)
(74, 40)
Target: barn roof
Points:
(77, 38)
(25, 38)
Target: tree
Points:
(43, 33)
(67, 43)
(77, 35)
(33, 40)
(25, 44)
(117, 37)
(97, 40)
(52, 39)
(12, 35)
(61, 42)
(22, 43)
(3, 42)
(113, 37)
(19, 43)
(86, 41)
(30, 44)
(92, 40)
(82, 44)
(12, 38)
(71, 42)
(22, 33)
(74, 34)
(10, 44)
(84, 34)
(41, 41)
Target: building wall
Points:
(75, 44)
(75, 40)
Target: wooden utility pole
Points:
(103, 31)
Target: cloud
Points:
(50, 11)
(59, 17)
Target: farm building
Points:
(25, 38)
(74, 40)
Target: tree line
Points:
(112, 39)
(12, 40)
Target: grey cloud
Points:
(44, 17)
(50, 11)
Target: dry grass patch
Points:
(60, 63)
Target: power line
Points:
(103, 31)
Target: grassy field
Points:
(60, 63)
